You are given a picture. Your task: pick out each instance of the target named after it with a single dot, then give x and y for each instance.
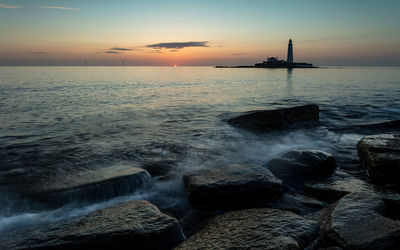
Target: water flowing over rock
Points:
(235, 186)
(380, 155)
(298, 166)
(255, 229)
(270, 119)
(96, 185)
(357, 222)
(132, 225)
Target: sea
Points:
(57, 124)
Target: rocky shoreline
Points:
(300, 199)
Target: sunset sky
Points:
(68, 32)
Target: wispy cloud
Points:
(7, 6)
(40, 53)
(59, 8)
(121, 49)
(112, 52)
(178, 45)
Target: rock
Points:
(159, 167)
(331, 248)
(333, 190)
(264, 228)
(270, 119)
(235, 186)
(298, 166)
(380, 155)
(135, 224)
(395, 124)
(357, 222)
(343, 184)
(299, 204)
(99, 184)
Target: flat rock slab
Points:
(99, 184)
(295, 167)
(272, 119)
(357, 222)
(134, 225)
(255, 229)
(235, 186)
(380, 155)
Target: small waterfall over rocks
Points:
(90, 186)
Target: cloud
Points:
(112, 52)
(178, 45)
(121, 49)
(7, 6)
(59, 8)
(40, 53)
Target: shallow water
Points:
(58, 122)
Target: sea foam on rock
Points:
(259, 228)
(357, 222)
(234, 186)
(298, 166)
(132, 225)
(270, 119)
(380, 155)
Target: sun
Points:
(175, 65)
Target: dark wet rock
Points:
(270, 119)
(299, 203)
(380, 155)
(395, 124)
(357, 222)
(331, 248)
(394, 187)
(343, 184)
(298, 166)
(159, 167)
(99, 184)
(235, 186)
(255, 229)
(135, 224)
(333, 190)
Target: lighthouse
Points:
(290, 52)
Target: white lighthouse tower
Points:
(290, 52)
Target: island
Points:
(274, 62)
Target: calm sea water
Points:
(57, 122)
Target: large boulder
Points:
(135, 224)
(264, 228)
(270, 119)
(298, 166)
(357, 222)
(380, 155)
(235, 186)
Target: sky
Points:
(98, 32)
